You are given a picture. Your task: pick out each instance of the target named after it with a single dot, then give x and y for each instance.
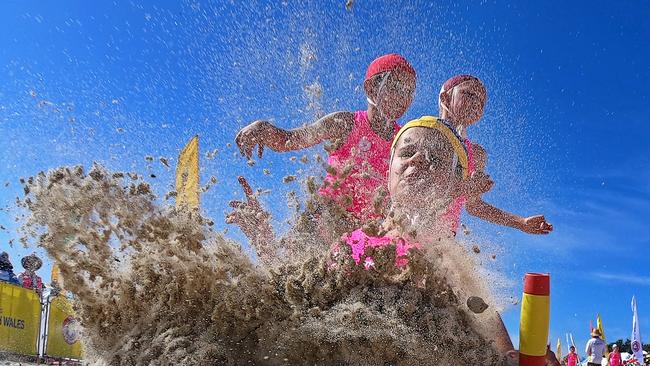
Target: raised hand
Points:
(253, 221)
(248, 215)
(257, 134)
(536, 225)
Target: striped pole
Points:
(533, 326)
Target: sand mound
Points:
(154, 285)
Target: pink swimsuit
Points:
(370, 155)
(359, 241)
(453, 212)
(572, 359)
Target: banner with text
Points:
(64, 330)
(20, 314)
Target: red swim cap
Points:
(389, 62)
(454, 81)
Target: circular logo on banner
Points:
(636, 346)
(71, 330)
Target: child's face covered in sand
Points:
(465, 102)
(392, 93)
(422, 167)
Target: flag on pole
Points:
(54, 277)
(637, 346)
(558, 350)
(599, 325)
(568, 344)
(187, 175)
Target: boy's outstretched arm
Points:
(262, 134)
(537, 224)
(475, 205)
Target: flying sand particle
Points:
(164, 161)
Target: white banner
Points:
(637, 346)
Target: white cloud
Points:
(630, 279)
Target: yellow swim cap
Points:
(442, 126)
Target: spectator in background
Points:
(595, 349)
(614, 358)
(572, 358)
(7, 270)
(29, 278)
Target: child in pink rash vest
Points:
(572, 358)
(360, 163)
(462, 102)
(428, 162)
(368, 155)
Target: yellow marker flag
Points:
(55, 274)
(187, 175)
(599, 326)
(558, 350)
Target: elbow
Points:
(472, 207)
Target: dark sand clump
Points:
(155, 286)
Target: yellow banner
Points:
(20, 315)
(64, 331)
(187, 175)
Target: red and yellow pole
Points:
(533, 326)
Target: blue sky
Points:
(565, 125)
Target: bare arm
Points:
(533, 225)
(480, 157)
(254, 222)
(262, 134)
(477, 207)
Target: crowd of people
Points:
(597, 352)
(28, 278)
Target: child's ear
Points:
(445, 99)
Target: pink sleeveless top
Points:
(359, 241)
(369, 154)
(572, 359)
(453, 212)
(615, 359)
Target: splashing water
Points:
(154, 285)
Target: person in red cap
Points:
(462, 101)
(361, 139)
